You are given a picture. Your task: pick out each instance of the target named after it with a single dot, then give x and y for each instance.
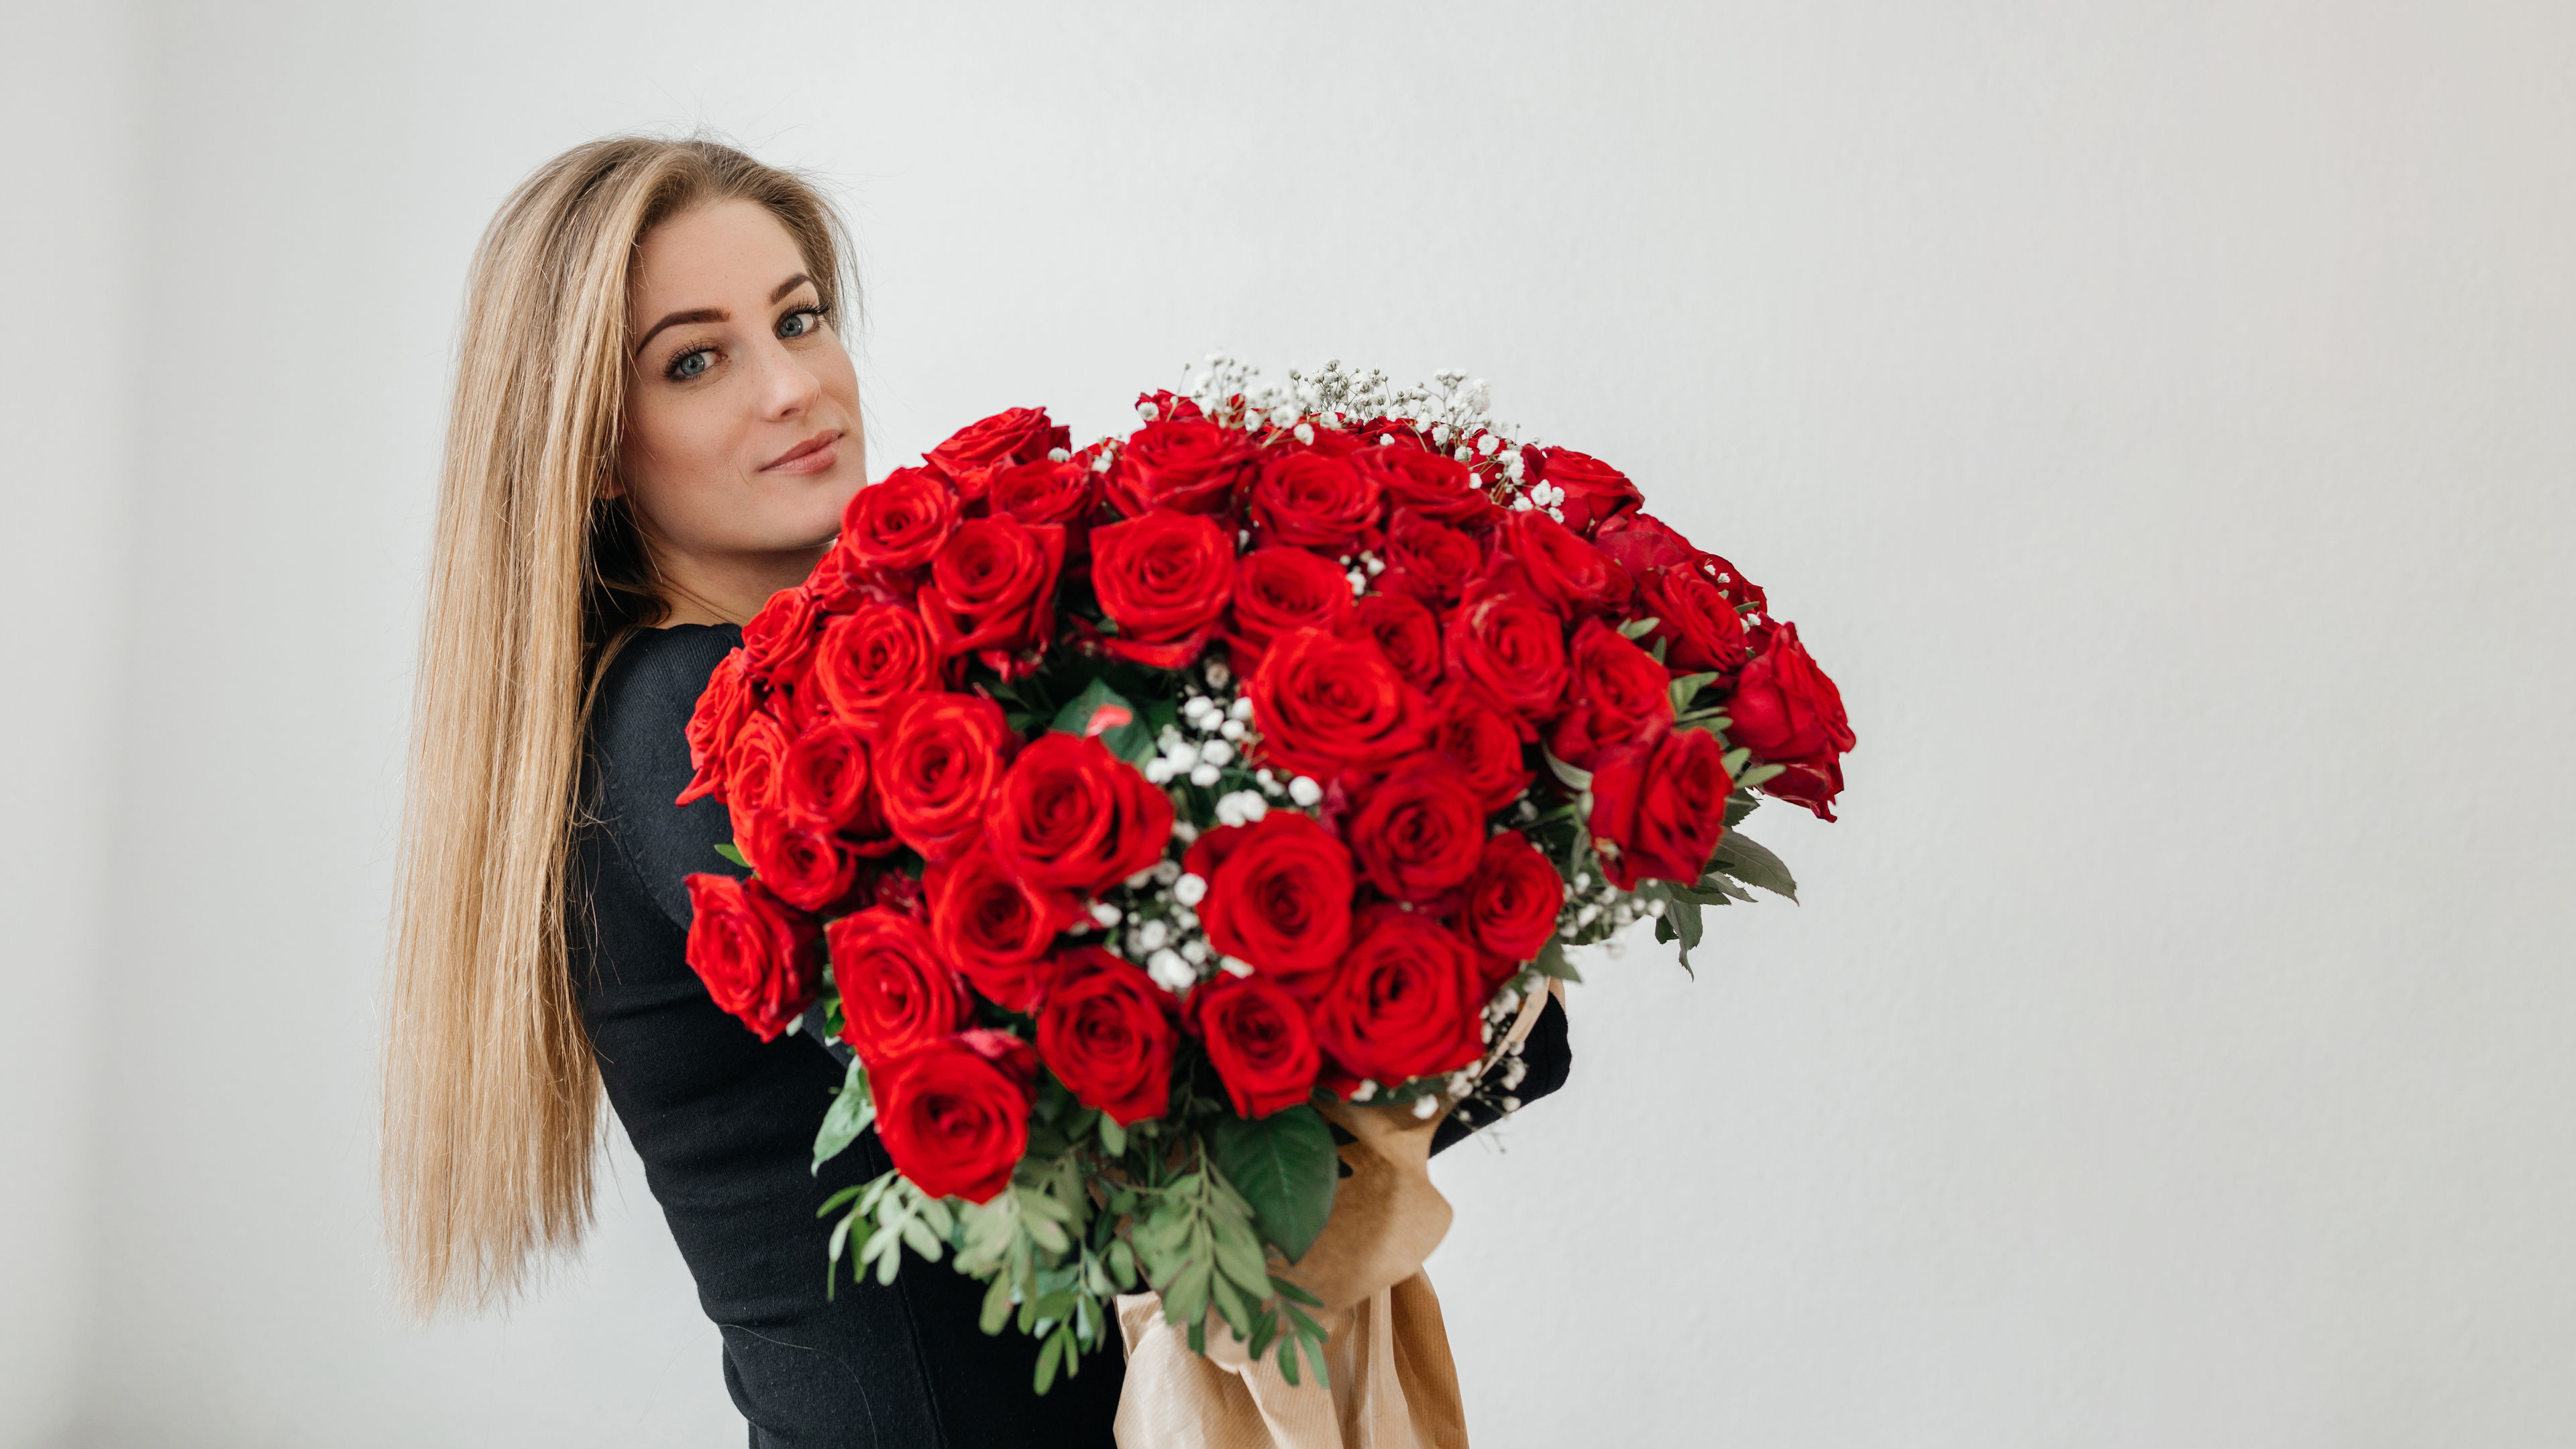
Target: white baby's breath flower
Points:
(1423, 1107)
(1364, 1091)
(1190, 889)
(1217, 674)
(1141, 879)
(1217, 752)
(1058, 455)
(1194, 950)
(1305, 791)
(1145, 409)
(1159, 772)
(1305, 432)
(1232, 967)
(1232, 729)
(1241, 708)
(1105, 913)
(1171, 972)
(1167, 871)
(1205, 775)
(1153, 935)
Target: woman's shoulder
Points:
(658, 669)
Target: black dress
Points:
(725, 1126)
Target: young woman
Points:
(656, 426)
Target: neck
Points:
(728, 588)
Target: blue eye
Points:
(689, 364)
(802, 322)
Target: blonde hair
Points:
(491, 1108)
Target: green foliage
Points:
(1639, 628)
(725, 849)
(1125, 729)
(1196, 1244)
(1551, 962)
(852, 1110)
(1285, 1167)
(1745, 859)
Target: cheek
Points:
(677, 462)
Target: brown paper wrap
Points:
(1394, 1385)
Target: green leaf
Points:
(851, 1113)
(1284, 1165)
(1685, 688)
(1551, 961)
(1105, 713)
(1734, 760)
(1740, 804)
(1048, 1357)
(997, 1304)
(1633, 629)
(1113, 1138)
(725, 849)
(1684, 914)
(1750, 862)
(1758, 775)
(1575, 779)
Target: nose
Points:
(787, 386)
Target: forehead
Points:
(728, 255)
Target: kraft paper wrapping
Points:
(1394, 1385)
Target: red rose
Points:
(1278, 896)
(1163, 578)
(1513, 648)
(804, 865)
(973, 452)
(1074, 816)
(1418, 831)
(723, 706)
(1484, 740)
(1044, 492)
(1739, 590)
(954, 1115)
(1701, 630)
(1258, 1040)
(992, 591)
(1788, 713)
(1106, 1032)
(1284, 588)
(867, 658)
(1164, 403)
(1406, 1004)
(823, 780)
(1323, 704)
(1306, 498)
(897, 993)
(1639, 542)
(1189, 466)
(939, 758)
(1568, 575)
(778, 638)
(751, 768)
(755, 955)
(1659, 807)
(1437, 486)
(1618, 695)
(1428, 561)
(1513, 900)
(897, 525)
(1594, 491)
(1405, 631)
(995, 929)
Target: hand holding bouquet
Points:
(1112, 808)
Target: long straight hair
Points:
(491, 1104)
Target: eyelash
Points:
(820, 312)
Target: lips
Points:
(810, 456)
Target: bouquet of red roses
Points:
(1107, 809)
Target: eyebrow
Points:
(716, 314)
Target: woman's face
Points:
(742, 434)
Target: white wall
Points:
(2156, 415)
(67, 448)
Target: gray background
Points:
(2161, 417)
